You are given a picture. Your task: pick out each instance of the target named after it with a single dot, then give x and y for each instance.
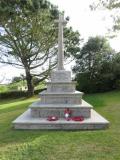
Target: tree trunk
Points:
(29, 83)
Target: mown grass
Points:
(61, 145)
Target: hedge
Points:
(17, 94)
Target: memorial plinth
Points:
(59, 96)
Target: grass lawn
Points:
(61, 145)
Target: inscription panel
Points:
(61, 76)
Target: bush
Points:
(84, 83)
(100, 83)
(117, 84)
(39, 90)
(3, 88)
(17, 94)
(13, 94)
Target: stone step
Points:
(61, 97)
(25, 121)
(61, 86)
(38, 104)
(44, 110)
(61, 93)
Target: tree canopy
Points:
(28, 37)
(95, 66)
(92, 54)
(113, 6)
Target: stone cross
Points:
(61, 22)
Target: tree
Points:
(29, 37)
(113, 7)
(16, 79)
(95, 51)
(94, 56)
(108, 4)
(25, 34)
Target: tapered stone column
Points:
(61, 23)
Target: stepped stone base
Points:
(44, 110)
(61, 98)
(25, 121)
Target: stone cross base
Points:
(25, 121)
(59, 96)
(45, 110)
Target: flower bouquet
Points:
(67, 113)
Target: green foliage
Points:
(37, 91)
(72, 42)
(109, 5)
(28, 33)
(85, 84)
(61, 145)
(9, 8)
(14, 86)
(3, 88)
(101, 83)
(13, 94)
(97, 67)
(96, 50)
(30, 36)
(18, 94)
(16, 79)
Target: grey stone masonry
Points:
(61, 86)
(59, 97)
(61, 76)
(44, 110)
(95, 122)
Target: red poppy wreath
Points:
(78, 118)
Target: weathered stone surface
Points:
(44, 110)
(60, 95)
(61, 98)
(38, 105)
(61, 23)
(61, 87)
(43, 113)
(61, 76)
(25, 121)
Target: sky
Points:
(88, 23)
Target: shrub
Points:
(13, 94)
(17, 94)
(99, 83)
(39, 90)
